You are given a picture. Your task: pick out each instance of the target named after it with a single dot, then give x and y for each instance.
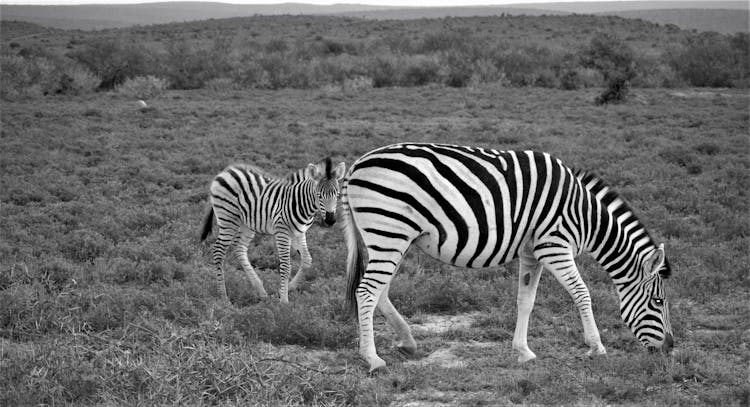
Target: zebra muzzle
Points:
(665, 347)
(329, 219)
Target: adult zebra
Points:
(246, 201)
(474, 207)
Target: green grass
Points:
(106, 294)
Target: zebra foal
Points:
(246, 201)
(474, 207)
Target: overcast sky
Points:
(411, 3)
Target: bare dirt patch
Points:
(701, 94)
(447, 354)
(436, 324)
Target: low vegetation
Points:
(106, 293)
(566, 52)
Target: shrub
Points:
(459, 69)
(221, 84)
(383, 69)
(251, 74)
(34, 75)
(609, 55)
(711, 59)
(398, 43)
(82, 80)
(570, 80)
(446, 40)
(332, 47)
(114, 62)
(142, 87)
(517, 66)
(277, 70)
(616, 62)
(528, 65)
(277, 45)
(46, 75)
(15, 76)
(618, 87)
(356, 84)
(188, 67)
(420, 70)
(654, 74)
(485, 71)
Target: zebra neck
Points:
(296, 177)
(618, 240)
(304, 194)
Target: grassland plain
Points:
(106, 294)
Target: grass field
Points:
(106, 294)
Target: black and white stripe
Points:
(475, 207)
(245, 201)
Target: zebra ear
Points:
(655, 260)
(340, 171)
(312, 171)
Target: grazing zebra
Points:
(246, 201)
(474, 207)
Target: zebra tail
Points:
(208, 223)
(356, 257)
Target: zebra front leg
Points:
(305, 261)
(564, 269)
(406, 344)
(283, 247)
(240, 250)
(529, 271)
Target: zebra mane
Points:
(299, 174)
(294, 176)
(329, 168)
(597, 185)
(254, 169)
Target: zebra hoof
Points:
(377, 365)
(526, 357)
(408, 351)
(380, 370)
(592, 353)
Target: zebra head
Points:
(644, 306)
(327, 189)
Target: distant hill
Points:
(723, 21)
(19, 29)
(616, 6)
(100, 16)
(722, 16)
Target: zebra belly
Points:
(429, 243)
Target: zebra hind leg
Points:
(240, 250)
(219, 250)
(406, 344)
(381, 267)
(283, 248)
(529, 271)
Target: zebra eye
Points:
(658, 301)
